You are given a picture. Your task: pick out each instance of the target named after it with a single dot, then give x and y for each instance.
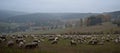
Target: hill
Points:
(50, 20)
(4, 14)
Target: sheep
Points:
(13, 36)
(73, 42)
(21, 44)
(93, 42)
(36, 40)
(107, 39)
(51, 39)
(31, 45)
(42, 40)
(117, 40)
(56, 38)
(3, 37)
(10, 43)
(54, 42)
(65, 37)
(80, 40)
(19, 40)
(25, 36)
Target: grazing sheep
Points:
(19, 40)
(21, 44)
(3, 38)
(36, 40)
(10, 43)
(72, 42)
(80, 40)
(51, 39)
(42, 40)
(31, 45)
(93, 42)
(107, 39)
(56, 38)
(54, 42)
(117, 40)
(12, 36)
(25, 36)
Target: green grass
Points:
(105, 28)
(63, 46)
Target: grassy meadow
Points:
(63, 46)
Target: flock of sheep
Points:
(35, 40)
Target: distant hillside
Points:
(40, 19)
(48, 16)
(54, 18)
(4, 14)
(77, 15)
(31, 18)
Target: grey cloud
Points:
(60, 5)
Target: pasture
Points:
(63, 46)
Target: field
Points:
(63, 46)
(106, 27)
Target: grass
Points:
(105, 28)
(63, 46)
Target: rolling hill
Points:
(46, 19)
(4, 14)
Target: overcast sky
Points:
(82, 6)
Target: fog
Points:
(83, 6)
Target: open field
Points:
(106, 27)
(63, 46)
